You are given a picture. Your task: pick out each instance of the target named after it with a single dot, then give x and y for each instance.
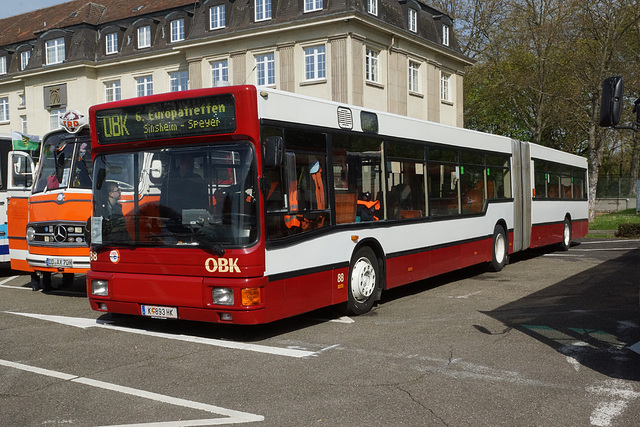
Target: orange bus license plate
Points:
(59, 262)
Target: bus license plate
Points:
(59, 262)
(162, 312)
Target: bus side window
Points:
(472, 184)
(357, 179)
(499, 178)
(444, 175)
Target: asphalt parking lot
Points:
(553, 339)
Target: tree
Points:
(600, 41)
(540, 67)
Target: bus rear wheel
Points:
(499, 256)
(364, 281)
(566, 235)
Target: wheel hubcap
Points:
(499, 247)
(363, 280)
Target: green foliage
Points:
(629, 230)
(613, 220)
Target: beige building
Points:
(390, 55)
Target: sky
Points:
(12, 7)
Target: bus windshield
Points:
(65, 162)
(197, 196)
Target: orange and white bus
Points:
(16, 177)
(247, 205)
(47, 228)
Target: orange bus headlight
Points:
(100, 287)
(31, 234)
(251, 296)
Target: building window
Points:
(144, 36)
(177, 30)
(266, 69)
(371, 71)
(219, 72)
(312, 5)
(55, 51)
(217, 17)
(179, 81)
(54, 117)
(413, 20)
(372, 7)
(22, 100)
(315, 63)
(444, 86)
(112, 91)
(445, 35)
(24, 59)
(3, 65)
(144, 86)
(414, 76)
(263, 10)
(112, 43)
(23, 124)
(4, 109)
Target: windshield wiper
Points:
(199, 238)
(215, 247)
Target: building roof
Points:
(24, 27)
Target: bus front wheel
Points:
(500, 244)
(364, 281)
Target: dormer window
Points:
(3, 65)
(111, 43)
(413, 20)
(312, 5)
(144, 36)
(263, 10)
(54, 51)
(177, 30)
(372, 7)
(445, 34)
(25, 56)
(217, 17)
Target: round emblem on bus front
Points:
(114, 256)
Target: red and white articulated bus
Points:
(247, 205)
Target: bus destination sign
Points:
(168, 119)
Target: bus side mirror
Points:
(156, 169)
(273, 149)
(87, 232)
(611, 103)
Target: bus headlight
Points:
(100, 287)
(222, 296)
(31, 234)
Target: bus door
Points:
(14, 212)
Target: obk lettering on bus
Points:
(222, 265)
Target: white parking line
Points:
(81, 322)
(615, 396)
(231, 416)
(8, 279)
(599, 242)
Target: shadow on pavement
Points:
(592, 317)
